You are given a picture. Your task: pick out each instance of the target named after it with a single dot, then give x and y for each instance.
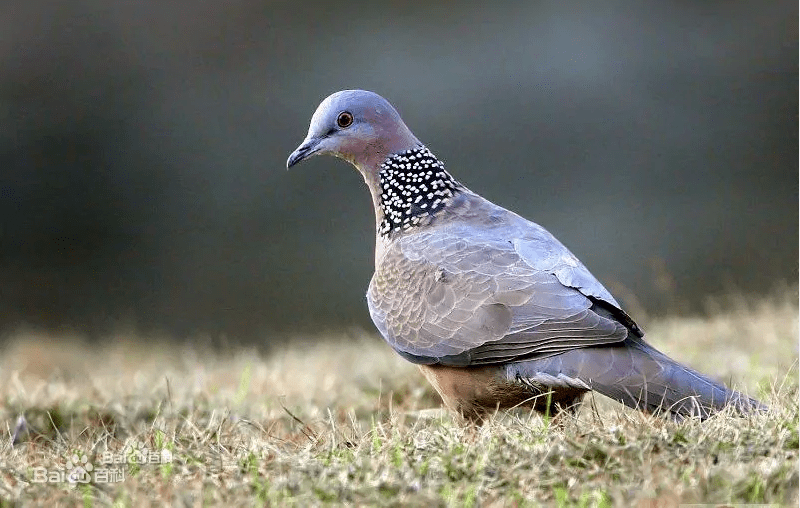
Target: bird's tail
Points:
(639, 376)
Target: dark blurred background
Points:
(143, 147)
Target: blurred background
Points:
(143, 146)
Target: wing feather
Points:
(469, 294)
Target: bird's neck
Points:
(411, 187)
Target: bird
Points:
(492, 308)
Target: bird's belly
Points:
(474, 392)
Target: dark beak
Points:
(304, 151)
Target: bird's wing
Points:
(466, 294)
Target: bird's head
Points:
(358, 126)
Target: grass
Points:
(343, 420)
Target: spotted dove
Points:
(492, 308)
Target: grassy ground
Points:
(343, 420)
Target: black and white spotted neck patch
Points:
(414, 185)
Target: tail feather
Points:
(640, 377)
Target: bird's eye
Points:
(345, 119)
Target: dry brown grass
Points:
(344, 420)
